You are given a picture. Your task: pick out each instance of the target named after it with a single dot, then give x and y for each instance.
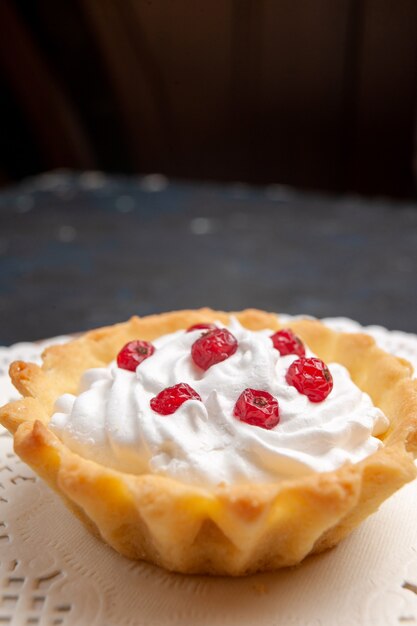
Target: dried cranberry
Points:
(171, 398)
(201, 327)
(258, 408)
(133, 353)
(213, 347)
(286, 342)
(311, 377)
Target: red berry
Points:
(171, 398)
(311, 377)
(201, 327)
(258, 408)
(133, 353)
(213, 347)
(287, 343)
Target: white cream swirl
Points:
(111, 421)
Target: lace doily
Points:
(53, 572)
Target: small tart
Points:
(226, 529)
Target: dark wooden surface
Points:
(317, 94)
(80, 251)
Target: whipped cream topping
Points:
(112, 423)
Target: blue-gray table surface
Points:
(84, 250)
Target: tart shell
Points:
(228, 529)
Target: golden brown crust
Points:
(228, 529)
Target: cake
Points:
(208, 442)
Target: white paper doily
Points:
(53, 572)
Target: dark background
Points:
(81, 251)
(283, 135)
(314, 93)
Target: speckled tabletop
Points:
(84, 250)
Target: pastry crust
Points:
(228, 529)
